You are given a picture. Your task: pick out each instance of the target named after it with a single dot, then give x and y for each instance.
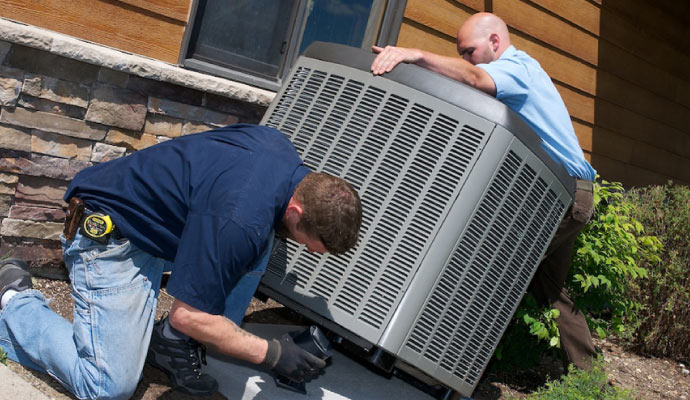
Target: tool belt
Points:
(93, 225)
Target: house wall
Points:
(67, 105)
(152, 28)
(621, 66)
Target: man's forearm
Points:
(459, 70)
(452, 67)
(218, 333)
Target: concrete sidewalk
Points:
(13, 387)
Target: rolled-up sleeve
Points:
(511, 78)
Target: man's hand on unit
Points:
(286, 358)
(390, 56)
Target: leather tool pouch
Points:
(75, 211)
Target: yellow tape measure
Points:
(97, 225)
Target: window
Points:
(256, 41)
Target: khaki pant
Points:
(547, 284)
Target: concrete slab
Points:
(343, 379)
(13, 387)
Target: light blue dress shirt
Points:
(525, 88)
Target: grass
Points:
(582, 385)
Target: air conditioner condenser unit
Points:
(460, 203)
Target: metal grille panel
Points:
(475, 296)
(407, 162)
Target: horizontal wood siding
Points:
(417, 35)
(152, 28)
(548, 28)
(581, 13)
(175, 9)
(641, 70)
(440, 15)
(621, 66)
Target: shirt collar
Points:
(508, 52)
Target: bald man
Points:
(491, 64)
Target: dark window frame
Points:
(385, 32)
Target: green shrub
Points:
(3, 357)
(531, 333)
(608, 253)
(581, 385)
(664, 329)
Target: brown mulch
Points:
(648, 378)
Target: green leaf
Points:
(638, 227)
(601, 333)
(594, 280)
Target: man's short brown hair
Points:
(331, 211)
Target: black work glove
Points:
(286, 358)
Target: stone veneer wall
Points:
(68, 104)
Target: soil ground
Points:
(647, 378)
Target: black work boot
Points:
(14, 274)
(181, 360)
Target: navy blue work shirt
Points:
(207, 202)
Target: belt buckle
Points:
(583, 184)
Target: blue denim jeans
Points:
(101, 355)
(115, 288)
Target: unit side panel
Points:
(474, 297)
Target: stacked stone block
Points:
(60, 115)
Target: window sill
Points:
(92, 53)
